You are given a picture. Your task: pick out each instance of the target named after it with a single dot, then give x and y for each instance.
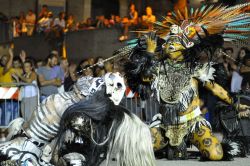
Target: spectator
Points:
(91, 61)
(108, 66)
(100, 22)
(84, 63)
(59, 22)
(45, 23)
(30, 22)
(71, 25)
(22, 22)
(88, 71)
(17, 65)
(39, 63)
(89, 24)
(6, 69)
(8, 108)
(49, 82)
(132, 20)
(43, 12)
(70, 77)
(61, 71)
(28, 92)
(244, 59)
(148, 19)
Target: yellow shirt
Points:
(7, 77)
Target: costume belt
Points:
(185, 118)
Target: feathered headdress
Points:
(231, 22)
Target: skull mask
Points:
(115, 87)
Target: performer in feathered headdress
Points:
(168, 63)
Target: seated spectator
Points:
(148, 19)
(131, 20)
(49, 82)
(30, 22)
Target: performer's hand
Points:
(151, 43)
(244, 111)
(244, 114)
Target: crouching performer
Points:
(89, 117)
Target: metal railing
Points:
(144, 109)
(17, 99)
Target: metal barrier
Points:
(144, 109)
(17, 99)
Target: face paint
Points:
(115, 87)
(173, 48)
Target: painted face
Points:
(174, 48)
(115, 87)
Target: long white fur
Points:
(132, 143)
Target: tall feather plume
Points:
(231, 22)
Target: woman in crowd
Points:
(244, 60)
(28, 92)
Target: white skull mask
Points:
(115, 87)
(175, 29)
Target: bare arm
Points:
(220, 92)
(43, 82)
(9, 63)
(30, 79)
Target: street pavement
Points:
(196, 162)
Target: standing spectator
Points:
(108, 66)
(28, 92)
(45, 23)
(59, 23)
(8, 108)
(132, 20)
(148, 19)
(100, 22)
(30, 22)
(49, 82)
(61, 71)
(6, 69)
(70, 25)
(17, 65)
(44, 11)
(244, 59)
(22, 22)
(70, 77)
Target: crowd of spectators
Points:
(52, 75)
(26, 24)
